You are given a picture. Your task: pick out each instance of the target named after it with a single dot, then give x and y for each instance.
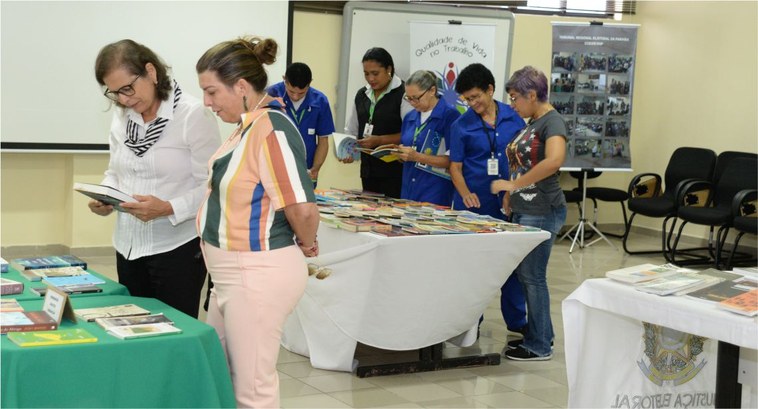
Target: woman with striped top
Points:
(259, 218)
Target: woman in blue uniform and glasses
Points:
(425, 136)
(477, 157)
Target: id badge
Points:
(492, 167)
(368, 129)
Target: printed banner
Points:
(591, 86)
(447, 48)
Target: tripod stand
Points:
(580, 226)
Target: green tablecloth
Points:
(109, 288)
(180, 370)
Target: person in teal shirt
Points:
(425, 136)
(309, 109)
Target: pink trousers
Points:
(252, 295)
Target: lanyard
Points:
(297, 119)
(373, 106)
(493, 140)
(418, 131)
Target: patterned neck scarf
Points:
(154, 130)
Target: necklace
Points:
(265, 94)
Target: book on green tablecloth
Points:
(34, 263)
(121, 310)
(107, 323)
(8, 286)
(57, 337)
(143, 330)
(80, 279)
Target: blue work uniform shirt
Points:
(418, 184)
(313, 118)
(471, 144)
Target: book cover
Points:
(671, 284)
(641, 273)
(80, 279)
(59, 271)
(143, 330)
(34, 263)
(383, 152)
(745, 303)
(721, 291)
(24, 321)
(106, 194)
(122, 310)
(434, 144)
(345, 146)
(8, 286)
(10, 305)
(107, 323)
(58, 337)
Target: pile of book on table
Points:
(370, 212)
(67, 272)
(127, 321)
(735, 291)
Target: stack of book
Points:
(365, 212)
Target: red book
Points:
(25, 321)
(745, 303)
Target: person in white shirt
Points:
(160, 142)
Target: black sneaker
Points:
(517, 343)
(521, 354)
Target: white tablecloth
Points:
(605, 344)
(400, 293)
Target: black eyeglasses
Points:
(415, 99)
(126, 90)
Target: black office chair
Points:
(647, 197)
(738, 174)
(745, 221)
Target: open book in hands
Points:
(105, 194)
(383, 152)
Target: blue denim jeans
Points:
(532, 273)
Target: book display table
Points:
(178, 370)
(399, 293)
(610, 341)
(109, 288)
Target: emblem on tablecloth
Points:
(671, 356)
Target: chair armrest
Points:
(694, 192)
(743, 203)
(645, 185)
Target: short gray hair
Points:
(423, 79)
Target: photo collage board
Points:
(591, 84)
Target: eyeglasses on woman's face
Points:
(415, 99)
(126, 90)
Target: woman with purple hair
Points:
(534, 198)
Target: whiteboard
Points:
(50, 98)
(386, 25)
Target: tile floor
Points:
(511, 384)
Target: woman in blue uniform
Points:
(477, 157)
(425, 136)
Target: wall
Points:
(696, 84)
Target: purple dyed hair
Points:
(528, 79)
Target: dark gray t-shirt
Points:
(527, 150)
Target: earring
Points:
(244, 103)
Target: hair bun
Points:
(264, 49)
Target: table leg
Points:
(430, 359)
(728, 390)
